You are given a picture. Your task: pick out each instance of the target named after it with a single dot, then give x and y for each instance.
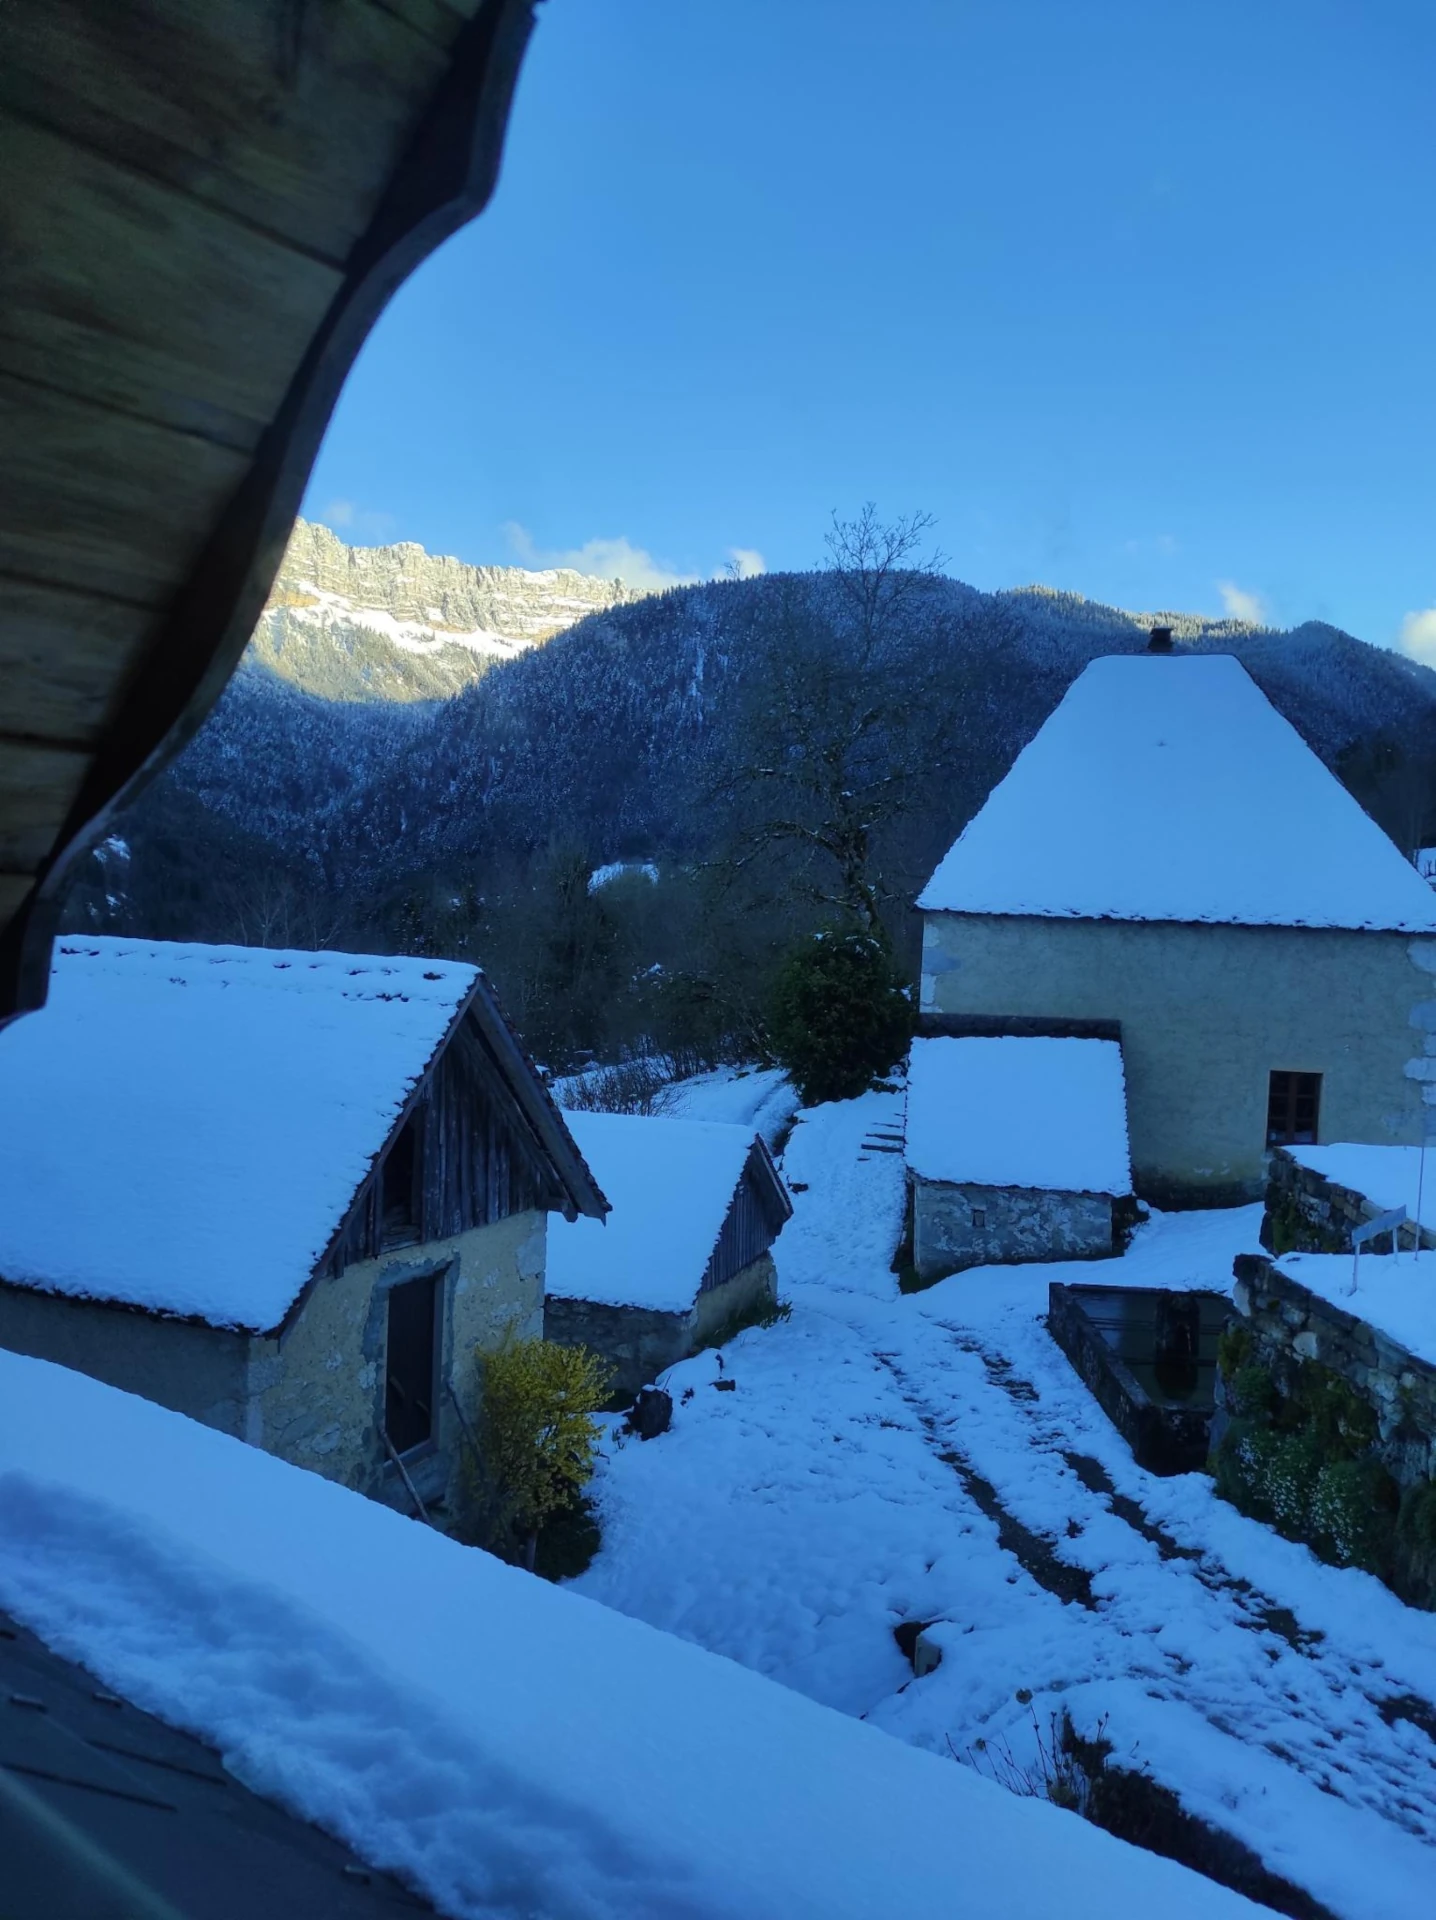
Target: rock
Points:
(651, 1413)
(397, 623)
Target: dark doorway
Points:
(399, 1182)
(1292, 1110)
(413, 1362)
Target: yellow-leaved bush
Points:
(536, 1436)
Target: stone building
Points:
(1168, 863)
(696, 1207)
(1016, 1150)
(287, 1194)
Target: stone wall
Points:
(1019, 1223)
(195, 1370)
(1291, 1325)
(1306, 1212)
(1207, 1012)
(316, 1395)
(641, 1342)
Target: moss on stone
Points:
(1297, 1454)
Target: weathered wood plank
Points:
(100, 502)
(123, 290)
(38, 785)
(292, 116)
(63, 658)
(14, 888)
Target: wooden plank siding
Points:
(476, 1158)
(754, 1222)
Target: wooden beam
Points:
(38, 785)
(288, 117)
(99, 500)
(64, 659)
(446, 176)
(113, 283)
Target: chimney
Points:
(1160, 640)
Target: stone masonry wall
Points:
(1207, 1012)
(316, 1396)
(641, 1343)
(195, 1370)
(1020, 1223)
(1306, 1212)
(1291, 1324)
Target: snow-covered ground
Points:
(934, 1458)
(514, 1751)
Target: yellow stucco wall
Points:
(316, 1396)
(1207, 1012)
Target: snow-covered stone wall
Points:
(1293, 1324)
(1206, 1014)
(957, 1226)
(640, 1343)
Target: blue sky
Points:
(1138, 299)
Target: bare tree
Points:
(842, 724)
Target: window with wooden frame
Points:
(411, 1367)
(399, 1187)
(1293, 1109)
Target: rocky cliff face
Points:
(397, 623)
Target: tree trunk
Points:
(531, 1550)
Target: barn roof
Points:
(185, 1128)
(671, 1184)
(206, 206)
(1167, 788)
(1010, 1112)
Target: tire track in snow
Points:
(1332, 1727)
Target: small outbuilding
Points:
(1016, 1150)
(685, 1251)
(287, 1194)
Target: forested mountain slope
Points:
(662, 728)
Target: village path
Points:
(884, 1458)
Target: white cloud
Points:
(746, 562)
(1238, 604)
(604, 559)
(356, 522)
(1418, 636)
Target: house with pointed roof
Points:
(1168, 864)
(685, 1251)
(287, 1194)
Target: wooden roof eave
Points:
(444, 179)
(554, 1146)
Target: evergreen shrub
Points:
(841, 1016)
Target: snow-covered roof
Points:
(1019, 1112)
(184, 1128)
(670, 1184)
(1170, 789)
(505, 1745)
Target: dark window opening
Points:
(979, 1216)
(398, 1193)
(1292, 1109)
(412, 1364)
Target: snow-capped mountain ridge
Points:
(400, 623)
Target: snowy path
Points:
(934, 1458)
